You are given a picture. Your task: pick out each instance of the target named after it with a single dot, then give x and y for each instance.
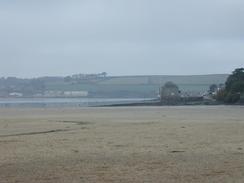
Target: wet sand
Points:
(124, 144)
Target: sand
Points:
(124, 144)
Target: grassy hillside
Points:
(137, 86)
(195, 79)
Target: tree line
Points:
(233, 92)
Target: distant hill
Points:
(161, 79)
(107, 86)
(138, 86)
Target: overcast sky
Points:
(121, 37)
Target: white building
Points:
(75, 93)
(15, 94)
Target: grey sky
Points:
(121, 37)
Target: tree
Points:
(170, 93)
(237, 76)
(104, 74)
(213, 88)
(234, 87)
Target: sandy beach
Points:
(123, 144)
